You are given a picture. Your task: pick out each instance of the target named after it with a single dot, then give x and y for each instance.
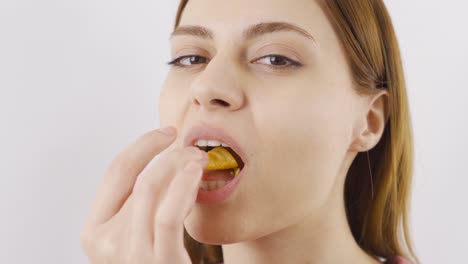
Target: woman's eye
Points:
(190, 59)
(275, 61)
(278, 61)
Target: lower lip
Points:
(221, 194)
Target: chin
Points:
(210, 236)
(211, 232)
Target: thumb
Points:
(168, 131)
(123, 171)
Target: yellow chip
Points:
(221, 159)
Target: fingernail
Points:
(207, 158)
(204, 157)
(168, 131)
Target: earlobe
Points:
(358, 145)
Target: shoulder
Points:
(394, 260)
(398, 260)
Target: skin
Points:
(133, 218)
(308, 120)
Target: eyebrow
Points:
(251, 32)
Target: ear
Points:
(372, 122)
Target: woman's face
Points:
(295, 123)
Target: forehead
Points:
(229, 18)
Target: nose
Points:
(218, 86)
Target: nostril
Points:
(221, 102)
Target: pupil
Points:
(194, 59)
(275, 59)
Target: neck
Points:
(323, 237)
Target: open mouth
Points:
(236, 156)
(226, 160)
(223, 167)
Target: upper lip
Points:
(207, 132)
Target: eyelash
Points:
(292, 63)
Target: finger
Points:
(120, 176)
(151, 187)
(176, 205)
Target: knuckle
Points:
(106, 247)
(184, 153)
(136, 255)
(144, 187)
(167, 223)
(121, 163)
(195, 151)
(102, 242)
(189, 153)
(86, 240)
(99, 247)
(130, 257)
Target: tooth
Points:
(213, 143)
(224, 145)
(220, 183)
(212, 185)
(201, 142)
(203, 185)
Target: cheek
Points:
(306, 139)
(166, 109)
(322, 123)
(170, 100)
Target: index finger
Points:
(122, 173)
(168, 244)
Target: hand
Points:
(139, 210)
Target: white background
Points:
(79, 80)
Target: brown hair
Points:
(377, 214)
